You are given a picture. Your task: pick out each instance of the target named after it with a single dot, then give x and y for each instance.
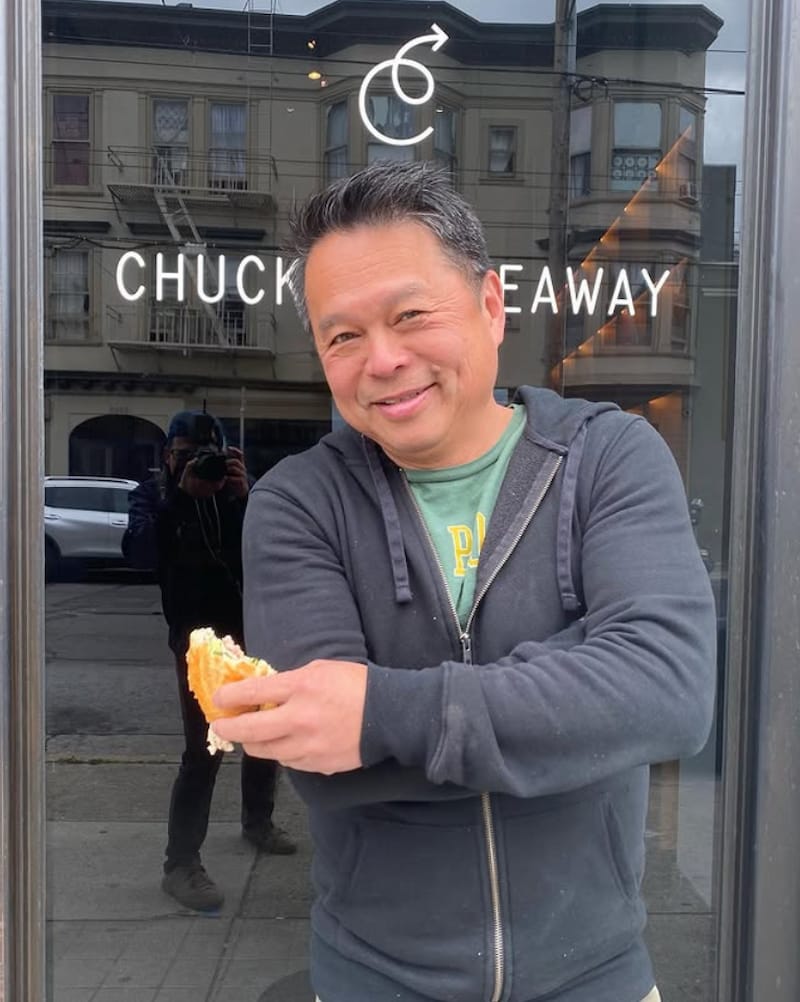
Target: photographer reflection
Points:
(187, 523)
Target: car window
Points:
(79, 497)
(119, 501)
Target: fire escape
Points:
(179, 184)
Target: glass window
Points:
(580, 152)
(637, 144)
(228, 147)
(212, 134)
(502, 151)
(631, 323)
(687, 155)
(444, 138)
(68, 301)
(171, 142)
(395, 119)
(82, 497)
(71, 144)
(335, 157)
(680, 287)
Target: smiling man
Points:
(488, 622)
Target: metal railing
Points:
(191, 326)
(178, 325)
(216, 171)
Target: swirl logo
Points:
(438, 38)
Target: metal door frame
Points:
(759, 919)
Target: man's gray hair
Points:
(389, 193)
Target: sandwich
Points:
(213, 661)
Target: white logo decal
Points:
(438, 38)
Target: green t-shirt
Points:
(457, 503)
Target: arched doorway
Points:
(115, 445)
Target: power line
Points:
(442, 72)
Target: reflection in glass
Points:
(198, 135)
(71, 139)
(637, 144)
(69, 298)
(580, 152)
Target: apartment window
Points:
(687, 154)
(227, 154)
(336, 133)
(68, 295)
(233, 315)
(170, 142)
(626, 329)
(502, 149)
(681, 307)
(395, 119)
(71, 142)
(444, 138)
(637, 144)
(580, 152)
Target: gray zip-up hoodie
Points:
(491, 849)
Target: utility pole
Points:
(564, 63)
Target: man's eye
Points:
(341, 338)
(409, 315)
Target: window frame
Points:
(582, 155)
(52, 292)
(370, 142)
(650, 182)
(446, 159)
(210, 149)
(515, 127)
(329, 149)
(52, 184)
(155, 145)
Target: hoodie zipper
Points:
(465, 639)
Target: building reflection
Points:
(177, 142)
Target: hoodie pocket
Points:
(574, 899)
(416, 893)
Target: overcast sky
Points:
(725, 68)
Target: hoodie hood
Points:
(560, 424)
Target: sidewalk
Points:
(114, 936)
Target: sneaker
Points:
(192, 887)
(271, 839)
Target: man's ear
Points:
(493, 303)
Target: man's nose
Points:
(385, 353)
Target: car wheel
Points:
(52, 561)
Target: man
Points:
(187, 523)
(496, 618)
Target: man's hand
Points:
(195, 486)
(315, 725)
(236, 477)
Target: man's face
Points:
(177, 454)
(408, 345)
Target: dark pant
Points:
(190, 803)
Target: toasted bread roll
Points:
(213, 661)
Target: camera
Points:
(209, 464)
(210, 456)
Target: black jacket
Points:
(195, 546)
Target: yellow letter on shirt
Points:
(462, 547)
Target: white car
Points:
(84, 520)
